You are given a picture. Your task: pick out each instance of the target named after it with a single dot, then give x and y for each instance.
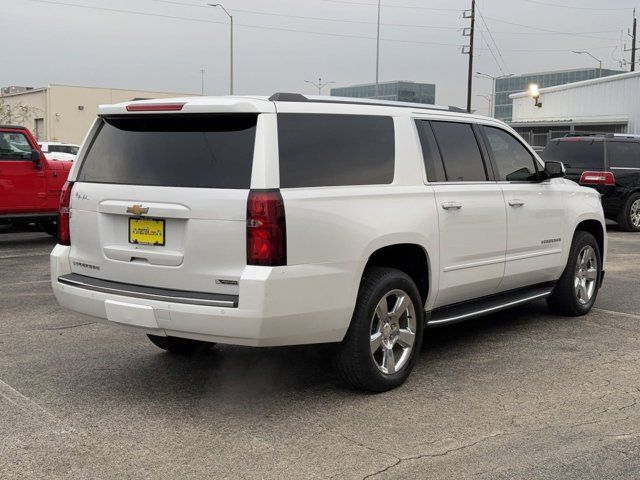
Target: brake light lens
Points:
(155, 107)
(597, 178)
(64, 235)
(266, 229)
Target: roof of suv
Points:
(286, 102)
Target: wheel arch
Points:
(411, 258)
(595, 228)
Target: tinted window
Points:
(514, 162)
(332, 150)
(579, 154)
(172, 150)
(460, 152)
(623, 154)
(430, 152)
(73, 150)
(14, 146)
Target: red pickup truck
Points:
(30, 184)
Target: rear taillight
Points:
(155, 107)
(597, 178)
(266, 229)
(64, 236)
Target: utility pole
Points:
(202, 82)
(471, 14)
(378, 50)
(633, 45)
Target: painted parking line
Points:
(622, 314)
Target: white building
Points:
(64, 112)
(608, 105)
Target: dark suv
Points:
(610, 164)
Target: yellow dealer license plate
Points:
(146, 231)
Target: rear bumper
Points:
(276, 305)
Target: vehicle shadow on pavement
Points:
(247, 376)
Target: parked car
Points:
(298, 220)
(608, 163)
(59, 150)
(30, 183)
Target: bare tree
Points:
(16, 114)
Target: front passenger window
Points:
(514, 162)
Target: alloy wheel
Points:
(393, 332)
(586, 274)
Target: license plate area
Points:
(146, 231)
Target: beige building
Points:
(64, 113)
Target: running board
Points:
(483, 306)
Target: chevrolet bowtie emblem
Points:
(137, 210)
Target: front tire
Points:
(180, 346)
(382, 344)
(577, 289)
(629, 218)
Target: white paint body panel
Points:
(483, 248)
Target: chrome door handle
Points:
(516, 203)
(452, 206)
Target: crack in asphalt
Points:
(64, 327)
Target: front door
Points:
(535, 213)
(22, 186)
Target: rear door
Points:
(471, 213)
(160, 200)
(22, 185)
(535, 212)
(623, 158)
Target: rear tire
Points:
(180, 346)
(50, 226)
(577, 289)
(383, 342)
(629, 217)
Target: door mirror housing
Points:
(554, 170)
(35, 158)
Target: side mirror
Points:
(35, 158)
(554, 169)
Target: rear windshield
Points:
(206, 151)
(576, 154)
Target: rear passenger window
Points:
(514, 162)
(460, 152)
(623, 154)
(430, 152)
(333, 150)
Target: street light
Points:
(318, 85)
(230, 44)
(534, 92)
(378, 52)
(592, 56)
(493, 89)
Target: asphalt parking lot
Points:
(517, 395)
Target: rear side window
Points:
(430, 152)
(513, 160)
(623, 154)
(460, 152)
(579, 154)
(334, 150)
(206, 151)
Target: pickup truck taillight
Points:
(266, 229)
(64, 236)
(597, 178)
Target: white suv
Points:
(295, 220)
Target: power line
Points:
(292, 30)
(387, 5)
(494, 41)
(577, 7)
(491, 51)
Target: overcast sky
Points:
(278, 45)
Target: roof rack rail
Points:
(589, 134)
(298, 97)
